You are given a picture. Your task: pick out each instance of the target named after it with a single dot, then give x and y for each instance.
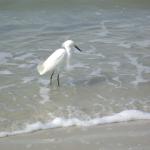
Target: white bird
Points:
(57, 58)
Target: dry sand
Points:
(133, 135)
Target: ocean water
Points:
(108, 82)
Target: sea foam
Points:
(59, 122)
(140, 69)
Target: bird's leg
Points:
(51, 78)
(58, 80)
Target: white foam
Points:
(125, 45)
(123, 116)
(104, 31)
(116, 65)
(140, 70)
(118, 81)
(44, 82)
(96, 72)
(27, 79)
(5, 72)
(4, 57)
(44, 93)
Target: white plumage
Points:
(56, 59)
(51, 62)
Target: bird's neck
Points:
(68, 57)
(68, 49)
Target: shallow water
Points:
(111, 75)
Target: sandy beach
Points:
(133, 135)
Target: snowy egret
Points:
(57, 58)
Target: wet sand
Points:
(134, 135)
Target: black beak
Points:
(77, 48)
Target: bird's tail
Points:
(40, 69)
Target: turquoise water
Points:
(111, 75)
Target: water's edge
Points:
(124, 116)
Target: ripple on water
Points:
(140, 70)
(5, 72)
(4, 57)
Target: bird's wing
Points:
(51, 62)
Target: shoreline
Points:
(133, 135)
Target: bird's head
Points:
(69, 43)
